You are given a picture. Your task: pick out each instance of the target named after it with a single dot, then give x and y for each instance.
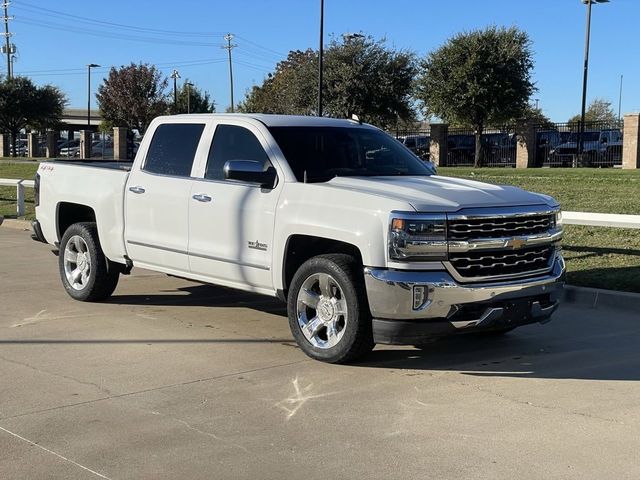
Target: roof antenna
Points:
(304, 177)
(356, 118)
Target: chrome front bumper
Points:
(451, 307)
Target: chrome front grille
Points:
(481, 228)
(493, 245)
(502, 263)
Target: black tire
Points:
(356, 335)
(102, 276)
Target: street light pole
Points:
(586, 72)
(89, 67)
(320, 58)
(620, 99)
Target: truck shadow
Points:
(584, 344)
(199, 295)
(580, 343)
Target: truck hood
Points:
(441, 194)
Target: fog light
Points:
(420, 296)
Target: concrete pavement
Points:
(172, 379)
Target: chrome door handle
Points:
(201, 197)
(136, 189)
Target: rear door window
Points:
(173, 148)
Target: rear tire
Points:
(86, 274)
(328, 309)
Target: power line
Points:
(112, 35)
(228, 47)
(36, 8)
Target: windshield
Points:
(586, 137)
(327, 152)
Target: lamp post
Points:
(89, 67)
(588, 3)
(320, 54)
(188, 85)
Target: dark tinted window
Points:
(173, 148)
(327, 152)
(231, 142)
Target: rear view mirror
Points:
(251, 172)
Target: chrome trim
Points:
(390, 292)
(486, 278)
(200, 255)
(551, 236)
(488, 316)
(503, 212)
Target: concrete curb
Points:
(16, 224)
(599, 298)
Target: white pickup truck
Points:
(359, 236)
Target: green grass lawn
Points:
(596, 257)
(22, 170)
(603, 190)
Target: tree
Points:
(24, 105)
(192, 99)
(478, 78)
(132, 96)
(599, 111)
(291, 89)
(361, 76)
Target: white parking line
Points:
(54, 453)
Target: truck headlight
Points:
(420, 238)
(558, 219)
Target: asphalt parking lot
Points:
(172, 379)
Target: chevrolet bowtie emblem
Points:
(516, 243)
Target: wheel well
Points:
(70, 213)
(301, 248)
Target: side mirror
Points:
(251, 172)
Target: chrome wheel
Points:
(321, 310)
(77, 262)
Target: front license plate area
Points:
(517, 311)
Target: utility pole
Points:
(320, 58)
(228, 47)
(89, 67)
(5, 5)
(175, 75)
(188, 85)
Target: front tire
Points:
(86, 274)
(328, 309)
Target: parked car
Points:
(71, 148)
(461, 149)
(102, 149)
(599, 147)
(418, 144)
(334, 217)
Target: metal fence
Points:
(557, 145)
(418, 141)
(498, 147)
